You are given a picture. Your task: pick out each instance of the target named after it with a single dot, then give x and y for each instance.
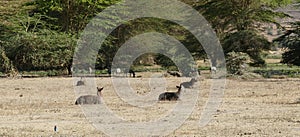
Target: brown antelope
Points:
(90, 99)
(189, 84)
(80, 82)
(171, 95)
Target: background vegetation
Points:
(41, 35)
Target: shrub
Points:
(235, 62)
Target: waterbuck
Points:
(80, 82)
(189, 84)
(170, 95)
(90, 99)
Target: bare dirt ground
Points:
(259, 107)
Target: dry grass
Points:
(31, 107)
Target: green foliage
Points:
(267, 73)
(9, 8)
(236, 22)
(247, 42)
(42, 51)
(70, 15)
(143, 25)
(276, 3)
(29, 46)
(170, 63)
(43, 73)
(164, 61)
(236, 62)
(291, 42)
(5, 62)
(236, 15)
(41, 35)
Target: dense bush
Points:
(236, 62)
(291, 42)
(44, 50)
(247, 42)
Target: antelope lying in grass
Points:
(171, 95)
(80, 82)
(174, 73)
(189, 84)
(90, 99)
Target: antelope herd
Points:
(166, 96)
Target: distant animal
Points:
(131, 72)
(174, 73)
(90, 99)
(80, 82)
(90, 70)
(109, 71)
(213, 69)
(189, 84)
(55, 128)
(118, 71)
(171, 95)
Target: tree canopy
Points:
(291, 42)
(237, 23)
(43, 34)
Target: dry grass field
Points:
(258, 107)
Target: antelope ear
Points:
(100, 89)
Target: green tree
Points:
(235, 63)
(70, 15)
(247, 42)
(6, 65)
(237, 21)
(7, 9)
(30, 46)
(291, 42)
(41, 35)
